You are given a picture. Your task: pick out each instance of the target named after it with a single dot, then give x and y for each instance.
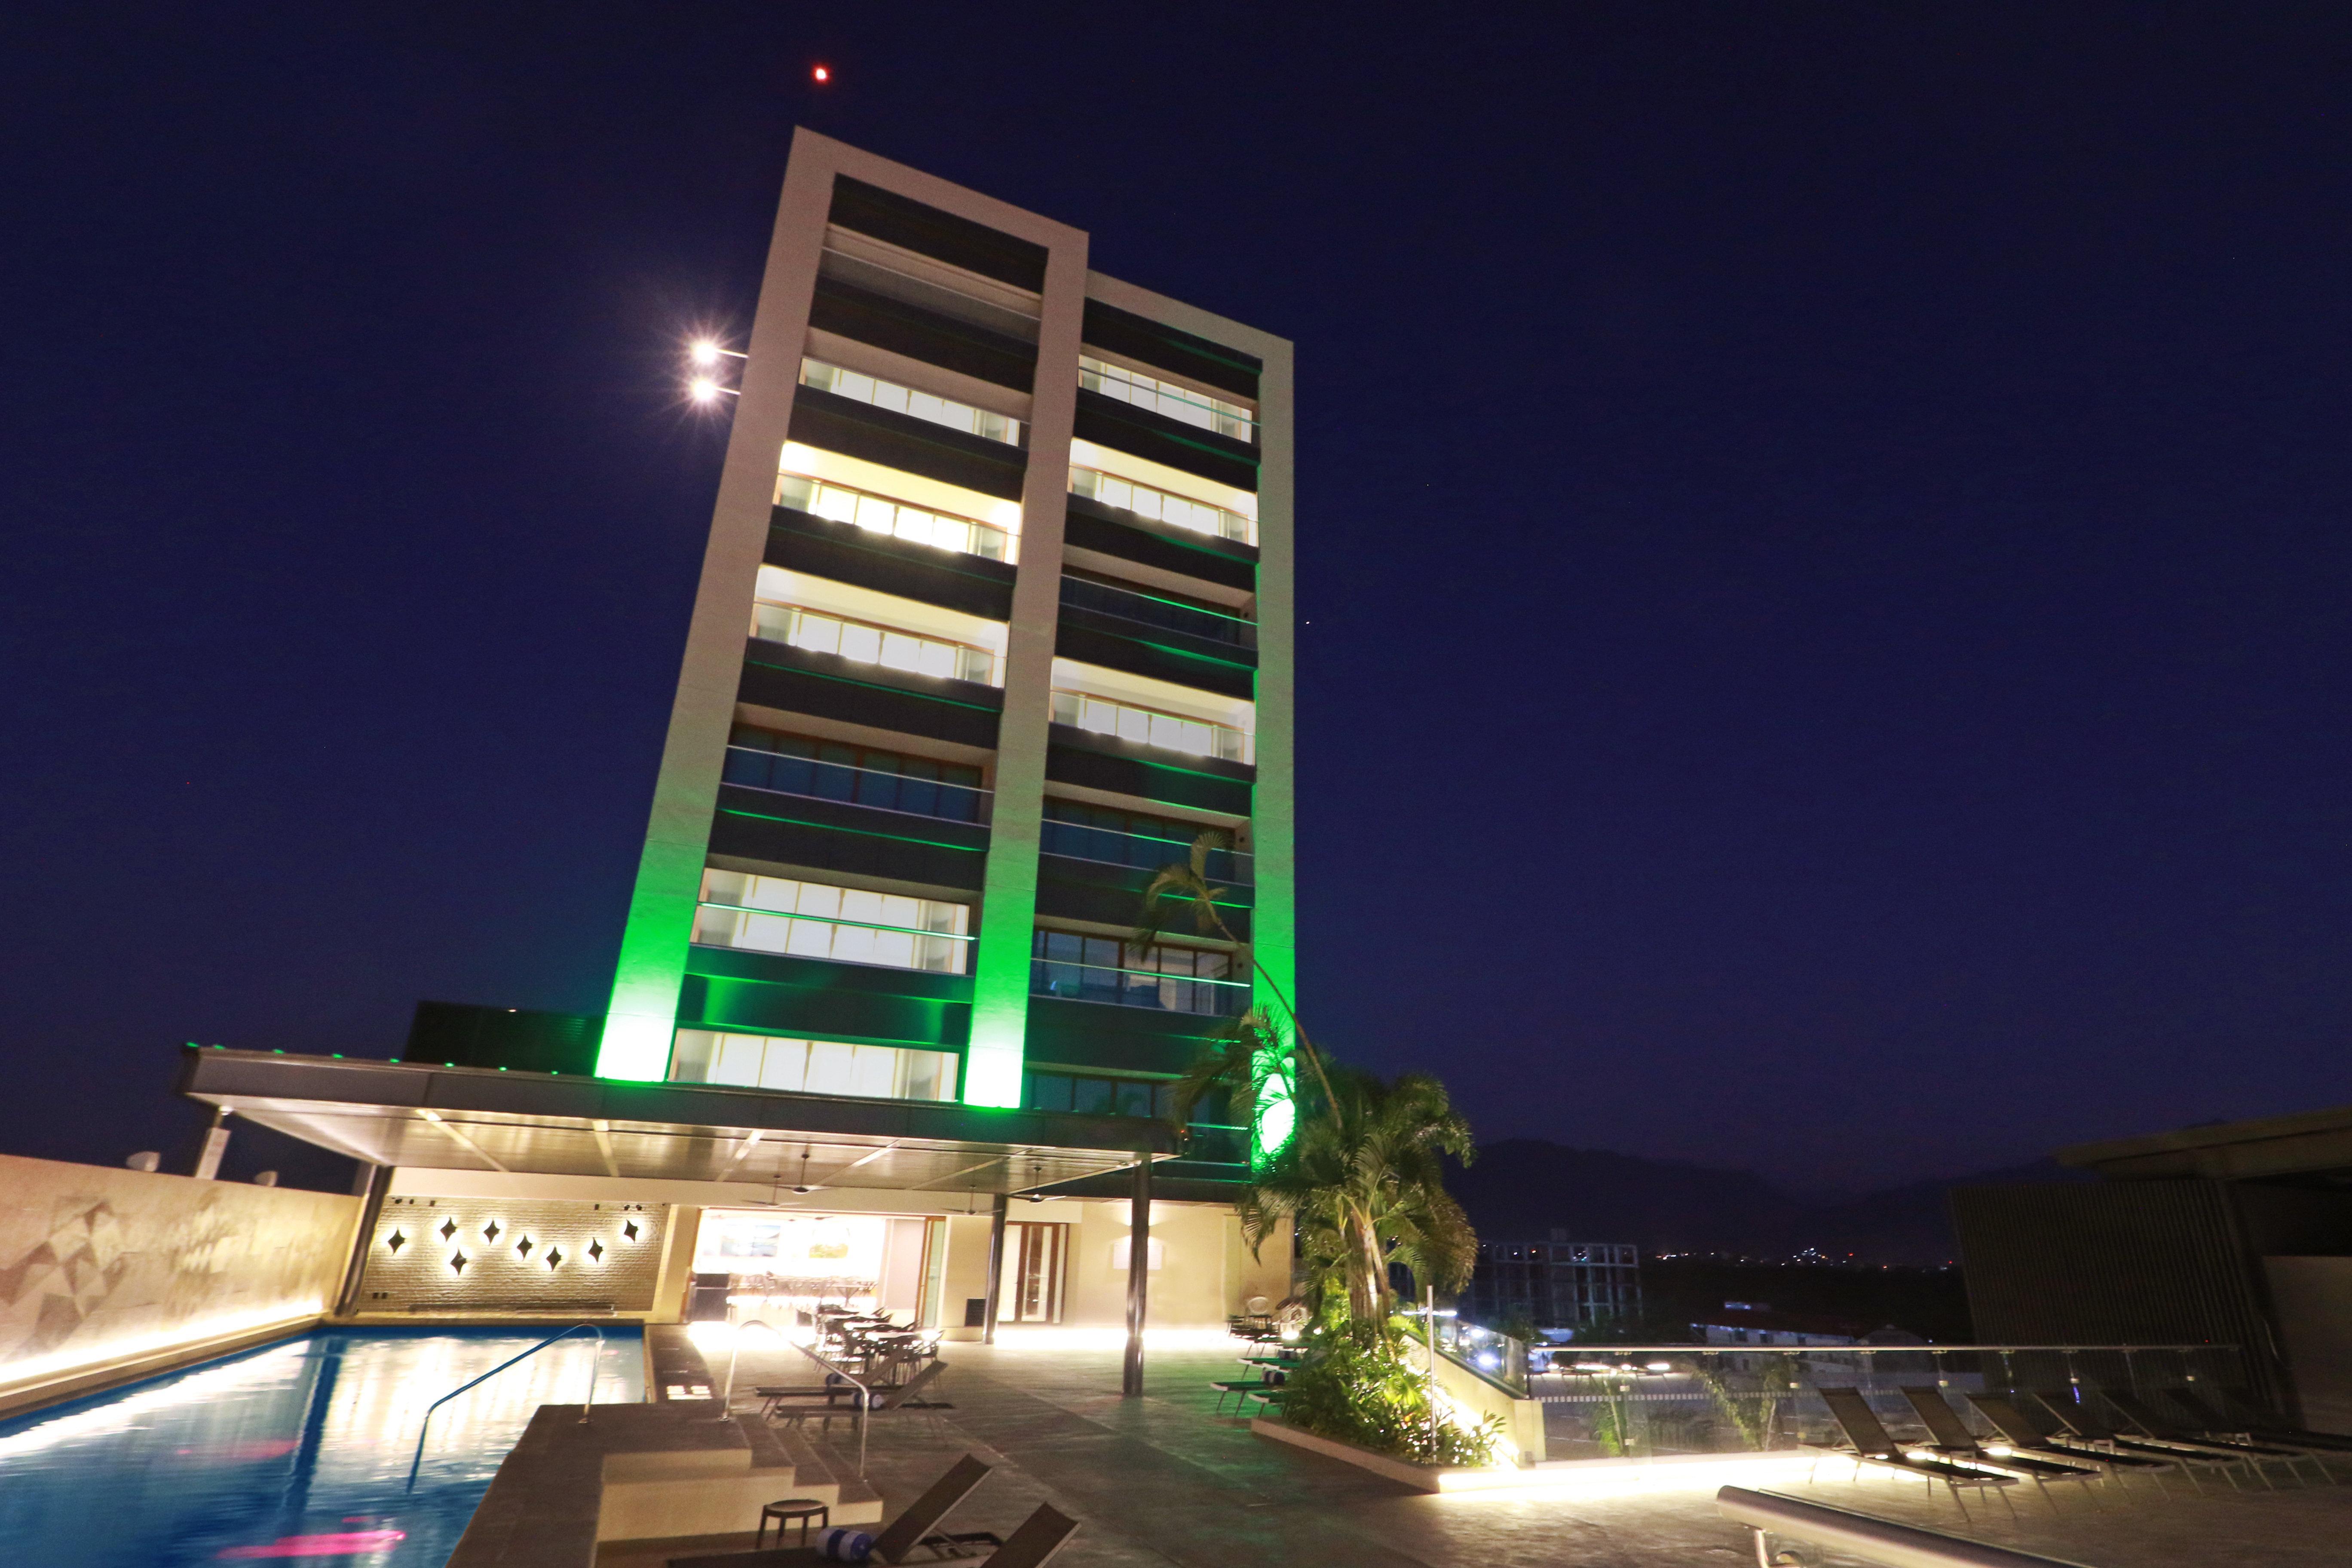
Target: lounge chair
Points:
(1872, 1445)
(2021, 1435)
(903, 1397)
(2080, 1422)
(911, 1531)
(2160, 1430)
(1238, 1389)
(1950, 1437)
(2207, 1416)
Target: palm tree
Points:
(1363, 1182)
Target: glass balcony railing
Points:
(1145, 852)
(866, 643)
(908, 788)
(1138, 988)
(879, 514)
(889, 394)
(1148, 727)
(1150, 610)
(846, 925)
(1167, 399)
(1163, 506)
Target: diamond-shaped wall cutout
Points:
(630, 1230)
(448, 1228)
(554, 1256)
(491, 1232)
(458, 1264)
(395, 1241)
(596, 1250)
(524, 1246)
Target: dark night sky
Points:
(1823, 525)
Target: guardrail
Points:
(595, 1366)
(1871, 1539)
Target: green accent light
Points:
(635, 1047)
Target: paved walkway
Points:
(1161, 1480)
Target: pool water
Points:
(298, 1452)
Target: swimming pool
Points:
(296, 1452)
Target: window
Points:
(1131, 838)
(906, 400)
(1167, 399)
(812, 1067)
(877, 514)
(816, 920)
(866, 643)
(1149, 727)
(1097, 1096)
(1161, 506)
(862, 776)
(1171, 979)
(1035, 1258)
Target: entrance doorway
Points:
(1035, 1260)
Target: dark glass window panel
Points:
(878, 789)
(1092, 1096)
(1133, 1099)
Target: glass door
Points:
(1035, 1262)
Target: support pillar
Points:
(1138, 1277)
(215, 1144)
(995, 1266)
(377, 1182)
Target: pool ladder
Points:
(594, 1365)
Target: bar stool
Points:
(801, 1510)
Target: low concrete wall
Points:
(108, 1273)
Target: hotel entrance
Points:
(780, 1266)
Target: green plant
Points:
(1359, 1386)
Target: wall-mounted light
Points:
(706, 353)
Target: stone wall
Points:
(106, 1271)
(513, 1257)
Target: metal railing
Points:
(883, 789)
(865, 1398)
(1138, 988)
(1150, 610)
(1138, 851)
(595, 1366)
(1861, 1535)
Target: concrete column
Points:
(995, 1264)
(1138, 1277)
(377, 1180)
(215, 1144)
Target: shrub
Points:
(1359, 1386)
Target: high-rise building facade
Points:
(994, 620)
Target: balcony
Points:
(893, 398)
(1163, 979)
(880, 515)
(1141, 851)
(1151, 727)
(1165, 398)
(865, 642)
(811, 1067)
(1163, 506)
(1154, 611)
(855, 775)
(842, 925)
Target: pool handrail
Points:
(1863, 1535)
(594, 1365)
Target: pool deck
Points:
(1161, 1479)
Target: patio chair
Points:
(2256, 1454)
(1872, 1445)
(2210, 1418)
(2020, 1434)
(1949, 1436)
(912, 1530)
(903, 1397)
(1237, 1389)
(2080, 1422)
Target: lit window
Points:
(812, 1067)
(1166, 398)
(877, 514)
(1147, 727)
(1161, 506)
(868, 644)
(846, 925)
(889, 394)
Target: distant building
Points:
(1755, 1323)
(1555, 1284)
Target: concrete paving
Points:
(1161, 1479)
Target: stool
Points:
(801, 1509)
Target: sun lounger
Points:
(911, 1531)
(2206, 1416)
(2158, 1429)
(2079, 1420)
(1951, 1438)
(2020, 1434)
(903, 1397)
(1872, 1445)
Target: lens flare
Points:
(702, 389)
(704, 352)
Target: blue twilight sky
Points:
(1822, 526)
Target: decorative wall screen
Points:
(474, 1255)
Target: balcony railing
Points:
(866, 643)
(879, 514)
(1163, 506)
(1150, 610)
(1167, 399)
(1108, 847)
(877, 787)
(1138, 988)
(873, 390)
(1149, 727)
(838, 940)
